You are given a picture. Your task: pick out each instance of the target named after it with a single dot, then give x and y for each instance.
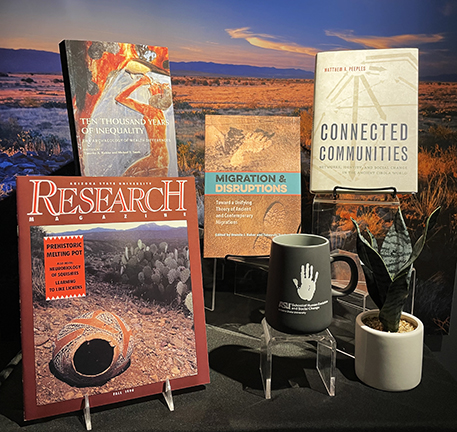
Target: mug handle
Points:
(352, 285)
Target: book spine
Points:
(69, 102)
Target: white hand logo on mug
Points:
(295, 303)
(307, 286)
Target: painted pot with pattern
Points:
(92, 348)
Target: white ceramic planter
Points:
(388, 361)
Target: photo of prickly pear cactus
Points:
(148, 261)
(151, 261)
(155, 271)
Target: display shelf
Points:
(273, 340)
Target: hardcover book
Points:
(120, 108)
(252, 183)
(111, 290)
(365, 130)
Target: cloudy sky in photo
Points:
(284, 34)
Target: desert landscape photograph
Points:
(33, 128)
(228, 58)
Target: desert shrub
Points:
(177, 104)
(9, 130)
(37, 235)
(306, 125)
(437, 187)
(54, 104)
(14, 139)
(177, 81)
(441, 132)
(440, 135)
(437, 162)
(197, 114)
(190, 158)
(29, 102)
(38, 278)
(306, 128)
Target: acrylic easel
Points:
(325, 354)
(381, 204)
(166, 394)
(212, 303)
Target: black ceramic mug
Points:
(299, 290)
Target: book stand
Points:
(331, 219)
(250, 263)
(86, 412)
(212, 302)
(249, 269)
(325, 354)
(166, 394)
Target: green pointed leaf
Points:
(396, 247)
(389, 293)
(417, 249)
(375, 292)
(376, 274)
(374, 243)
(397, 293)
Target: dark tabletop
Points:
(234, 399)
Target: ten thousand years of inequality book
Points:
(111, 290)
(252, 183)
(120, 108)
(365, 127)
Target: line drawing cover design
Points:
(120, 108)
(111, 291)
(365, 129)
(252, 183)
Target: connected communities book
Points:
(365, 130)
(120, 108)
(110, 288)
(252, 183)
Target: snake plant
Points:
(388, 269)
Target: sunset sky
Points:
(284, 34)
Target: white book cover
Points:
(365, 129)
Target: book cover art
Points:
(120, 108)
(365, 129)
(110, 288)
(252, 182)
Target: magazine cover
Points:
(111, 291)
(365, 131)
(120, 108)
(252, 183)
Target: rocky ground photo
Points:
(146, 283)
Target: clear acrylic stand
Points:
(210, 299)
(325, 356)
(212, 303)
(168, 395)
(250, 275)
(332, 219)
(86, 410)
